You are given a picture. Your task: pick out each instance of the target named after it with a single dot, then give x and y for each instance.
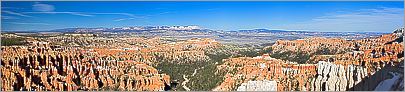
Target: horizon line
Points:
(222, 0)
(50, 30)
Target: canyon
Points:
(72, 62)
(351, 65)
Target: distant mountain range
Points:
(161, 28)
(128, 29)
(262, 31)
(157, 28)
(268, 31)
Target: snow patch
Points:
(387, 84)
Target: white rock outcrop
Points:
(264, 85)
(332, 77)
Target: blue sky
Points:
(312, 16)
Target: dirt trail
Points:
(187, 80)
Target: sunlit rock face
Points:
(264, 68)
(335, 77)
(45, 69)
(149, 50)
(189, 51)
(355, 65)
(311, 45)
(66, 63)
(362, 68)
(264, 85)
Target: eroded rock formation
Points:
(243, 69)
(95, 63)
(43, 68)
(335, 77)
(354, 64)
